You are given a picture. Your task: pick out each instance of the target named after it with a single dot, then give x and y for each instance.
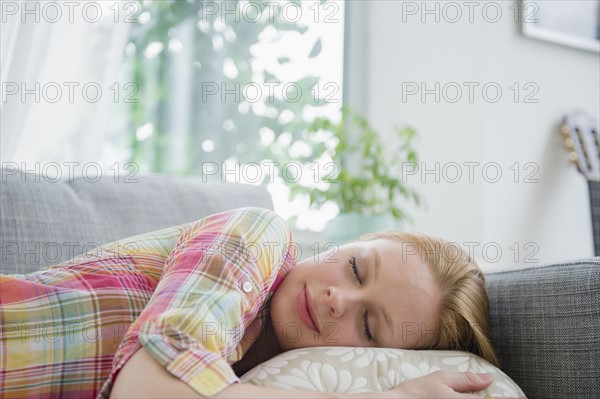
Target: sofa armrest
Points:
(545, 326)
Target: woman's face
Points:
(394, 301)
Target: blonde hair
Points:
(464, 301)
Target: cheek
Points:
(276, 311)
(342, 334)
(283, 302)
(278, 318)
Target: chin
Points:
(280, 317)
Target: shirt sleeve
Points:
(212, 287)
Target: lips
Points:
(303, 306)
(310, 305)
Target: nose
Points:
(338, 301)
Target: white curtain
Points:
(54, 58)
(23, 48)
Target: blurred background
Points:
(252, 92)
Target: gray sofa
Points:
(545, 321)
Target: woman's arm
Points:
(143, 377)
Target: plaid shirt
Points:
(195, 296)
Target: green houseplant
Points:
(364, 174)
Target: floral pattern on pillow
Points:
(357, 370)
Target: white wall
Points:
(552, 214)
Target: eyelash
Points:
(365, 322)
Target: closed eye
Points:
(365, 315)
(366, 329)
(355, 269)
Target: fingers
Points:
(504, 397)
(494, 397)
(462, 382)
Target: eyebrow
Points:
(386, 316)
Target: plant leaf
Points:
(316, 50)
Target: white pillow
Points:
(355, 370)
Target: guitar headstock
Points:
(581, 139)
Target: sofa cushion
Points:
(545, 326)
(44, 222)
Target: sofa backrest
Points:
(545, 327)
(45, 222)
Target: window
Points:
(224, 89)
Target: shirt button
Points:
(247, 286)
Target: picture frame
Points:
(574, 24)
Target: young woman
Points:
(185, 311)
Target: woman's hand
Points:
(440, 385)
(445, 385)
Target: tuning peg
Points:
(569, 143)
(564, 129)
